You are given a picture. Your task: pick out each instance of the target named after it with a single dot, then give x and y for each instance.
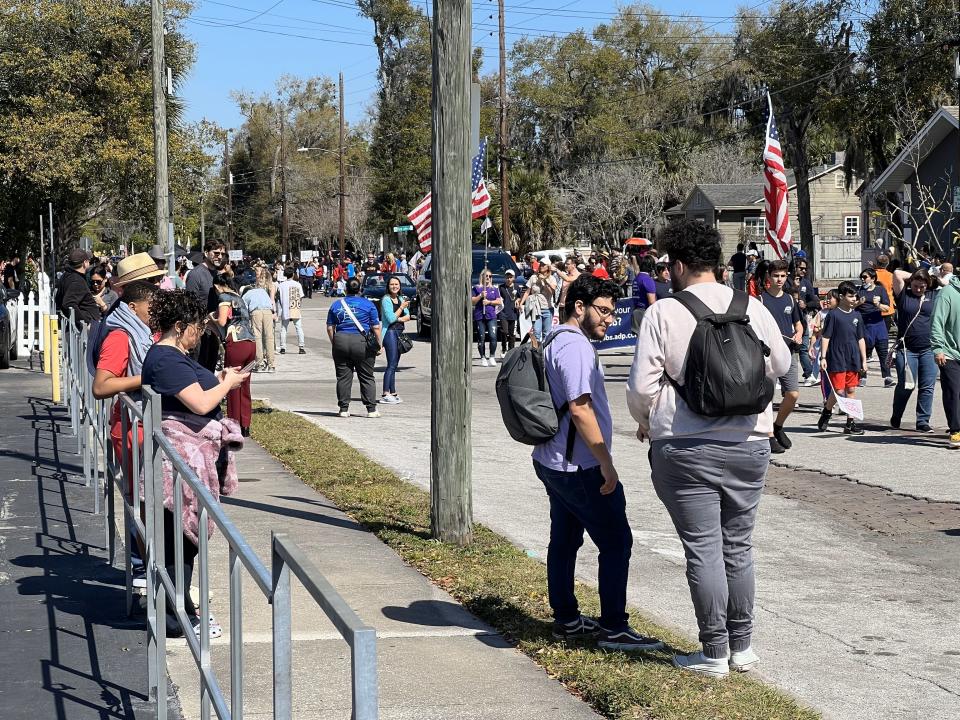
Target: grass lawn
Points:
(502, 585)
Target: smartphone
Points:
(248, 367)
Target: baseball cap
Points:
(77, 257)
(510, 272)
(752, 252)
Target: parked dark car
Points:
(496, 260)
(375, 287)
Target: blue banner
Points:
(620, 334)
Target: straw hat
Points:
(139, 266)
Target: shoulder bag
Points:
(373, 345)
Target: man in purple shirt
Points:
(582, 484)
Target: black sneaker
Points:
(628, 640)
(851, 428)
(775, 447)
(895, 423)
(824, 420)
(283, 351)
(924, 428)
(301, 351)
(781, 437)
(582, 627)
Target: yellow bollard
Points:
(55, 359)
(46, 343)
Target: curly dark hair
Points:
(172, 306)
(694, 243)
(587, 288)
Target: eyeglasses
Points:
(602, 311)
(96, 282)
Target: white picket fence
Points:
(29, 327)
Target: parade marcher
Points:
(538, 300)
(752, 260)
(738, 261)
(486, 302)
(708, 471)
(73, 293)
(190, 397)
(350, 321)
(916, 296)
(874, 301)
(508, 312)
(288, 298)
(799, 285)
(581, 481)
(885, 280)
(240, 349)
(945, 344)
(644, 286)
(843, 355)
(394, 312)
(786, 313)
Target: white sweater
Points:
(662, 346)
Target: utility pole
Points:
(343, 180)
(163, 235)
(284, 224)
(504, 140)
(451, 512)
(53, 260)
(203, 225)
(229, 180)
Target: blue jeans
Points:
(391, 347)
(487, 330)
(806, 363)
(542, 325)
(924, 370)
(577, 505)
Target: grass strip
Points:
(502, 585)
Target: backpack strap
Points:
(695, 305)
(572, 430)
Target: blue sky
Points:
(248, 44)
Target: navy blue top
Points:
(784, 310)
(917, 338)
(844, 329)
(365, 311)
(664, 289)
(870, 312)
(168, 371)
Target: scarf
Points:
(138, 334)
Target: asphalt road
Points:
(856, 542)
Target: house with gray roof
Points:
(736, 209)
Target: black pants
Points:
(307, 284)
(508, 328)
(208, 350)
(350, 355)
(189, 555)
(950, 387)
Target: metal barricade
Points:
(143, 516)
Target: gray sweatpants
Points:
(712, 490)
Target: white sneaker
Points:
(344, 413)
(811, 381)
(743, 660)
(483, 362)
(397, 399)
(373, 413)
(699, 663)
(389, 400)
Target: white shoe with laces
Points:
(373, 413)
(743, 660)
(702, 665)
(344, 413)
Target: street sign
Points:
(403, 228)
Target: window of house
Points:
(754, 228)
(851, 226)
(839, 182)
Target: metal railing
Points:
(107, 473)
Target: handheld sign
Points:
(235, 255)
(848, 406)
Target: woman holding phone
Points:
(394, 312)
(240, 349)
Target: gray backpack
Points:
(526, 405)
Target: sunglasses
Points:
(96, 282)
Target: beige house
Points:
(736, 210)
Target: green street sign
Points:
(403, 228)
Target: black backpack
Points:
(526, 405)
(726, 370)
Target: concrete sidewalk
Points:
(68, 649)
(435, 660)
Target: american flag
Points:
(422, 218)
(776, 205)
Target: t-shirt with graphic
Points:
(785, 311)
(844, 329)
(572, 370)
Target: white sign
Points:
(851, 408)
(308, 255)
(235, 255)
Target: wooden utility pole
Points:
(284, 222)
(451, 512)
(228, 178)
(343, 179)
(162, 189)
(504, 140)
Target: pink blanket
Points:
(199, 440)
